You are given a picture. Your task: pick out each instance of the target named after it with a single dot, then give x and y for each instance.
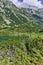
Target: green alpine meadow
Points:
(21, 35)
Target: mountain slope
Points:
(21, 35)
(11, 16)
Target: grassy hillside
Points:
(21, 35)
(21, 50)
(12, 18)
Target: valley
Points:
(21, 35)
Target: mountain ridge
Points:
(11, 16)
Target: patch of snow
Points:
(7, 21)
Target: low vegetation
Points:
(21, 35)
